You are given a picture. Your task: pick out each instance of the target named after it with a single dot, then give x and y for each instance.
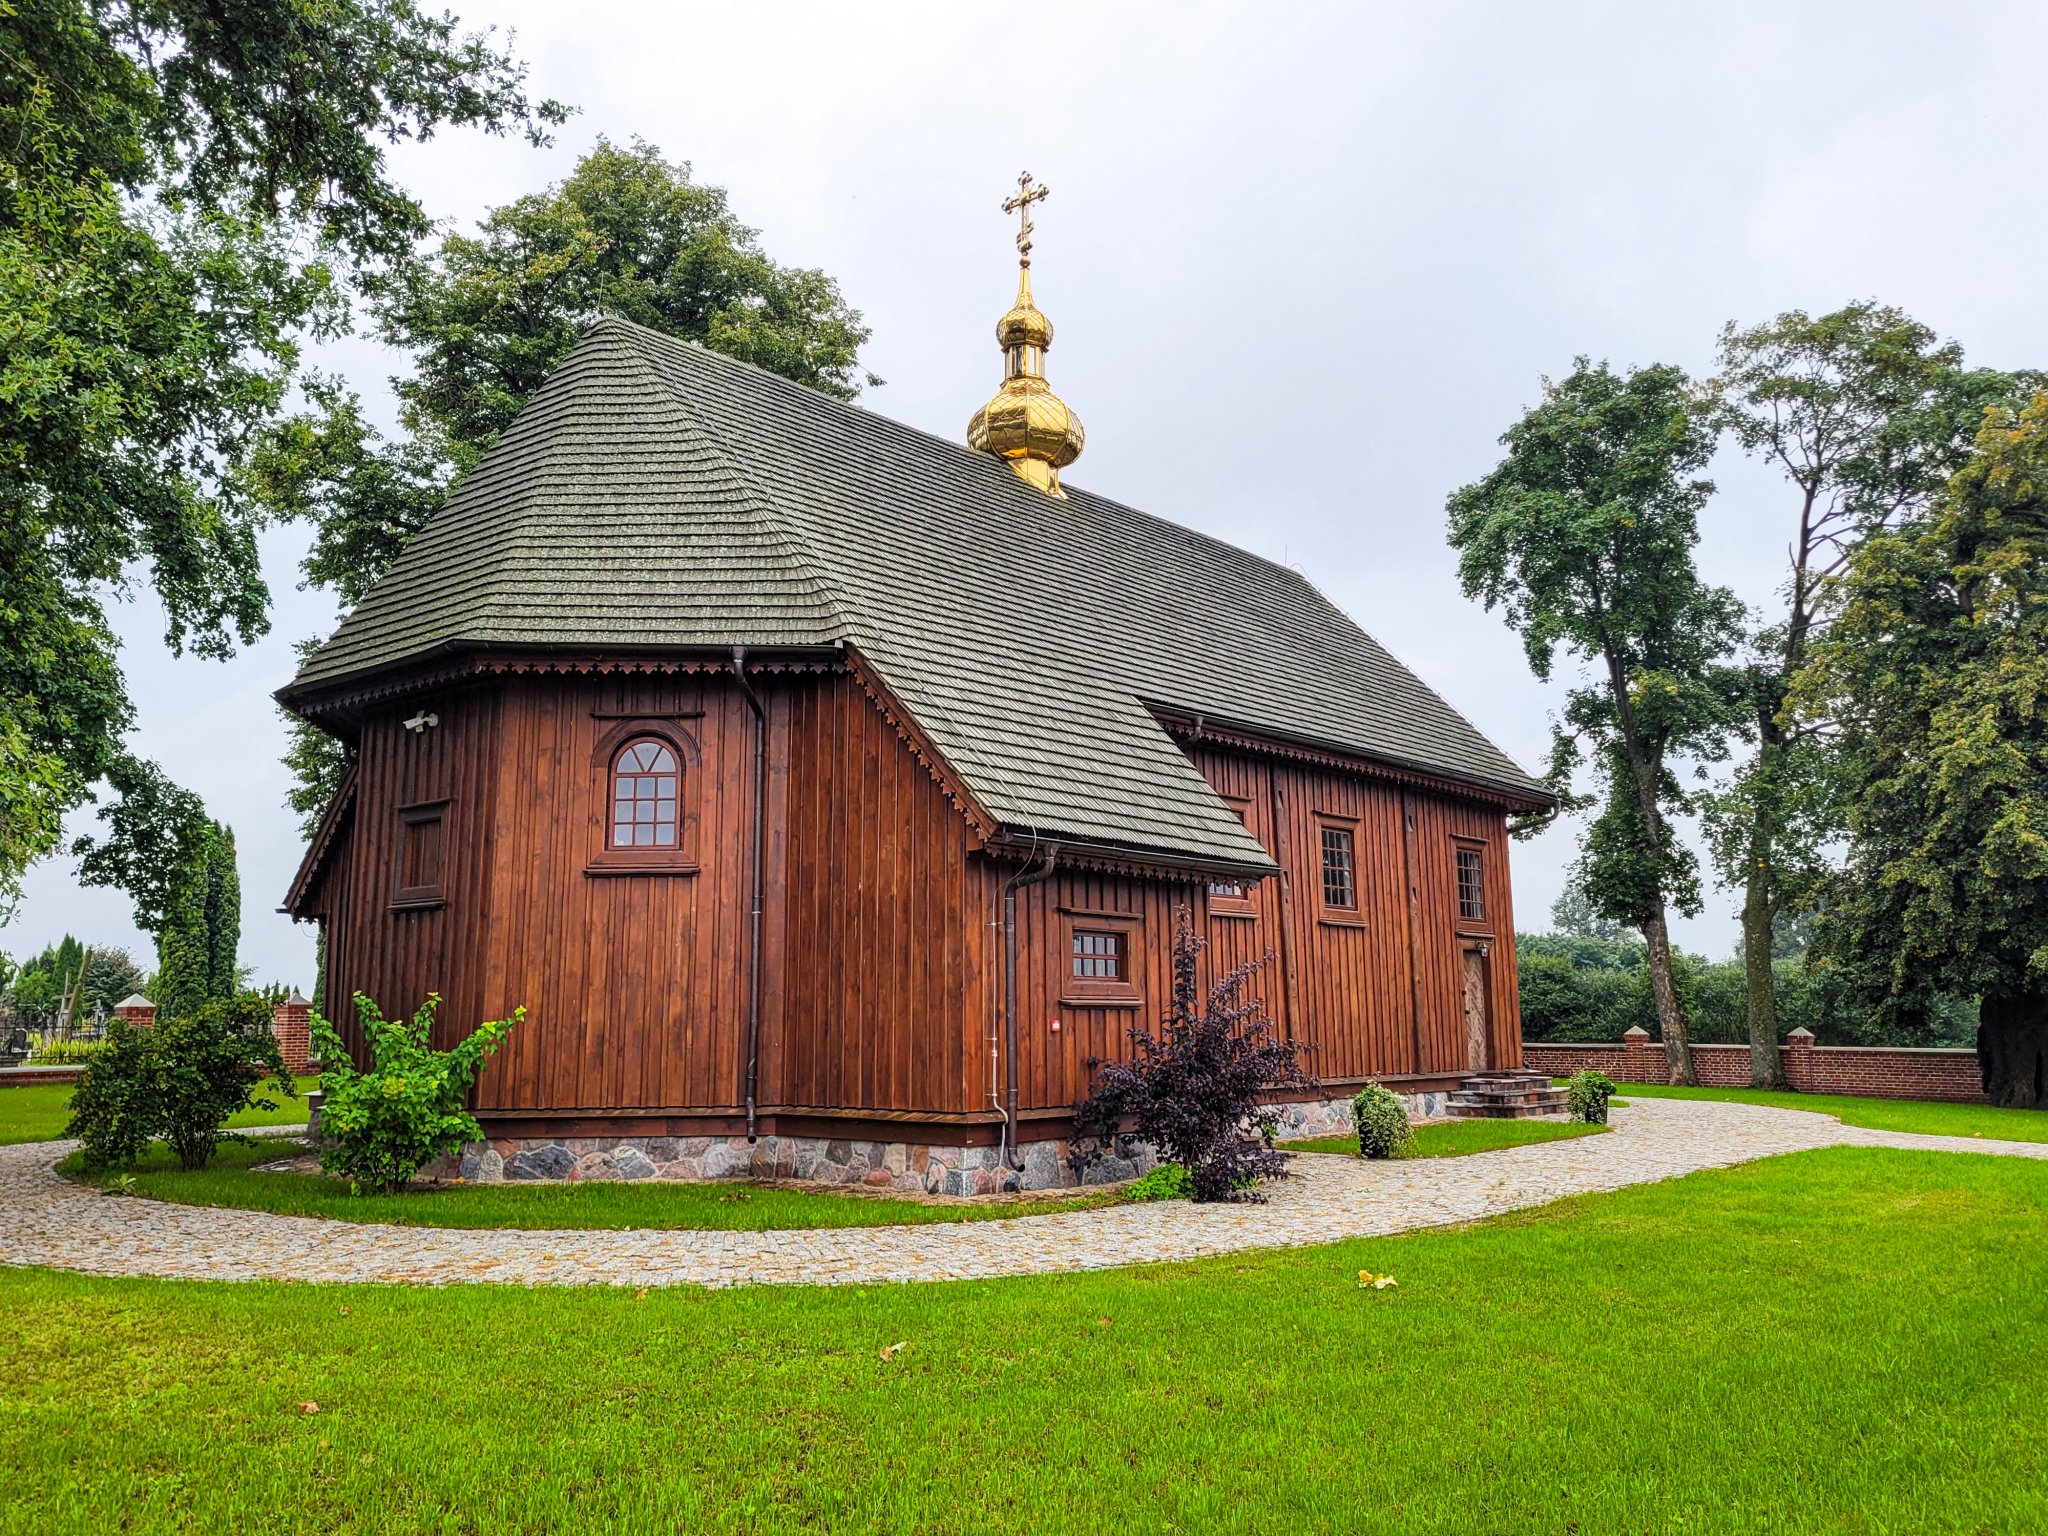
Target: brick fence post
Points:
(135, 1010)
(1638, 1063)
(1799, 1064)
(292, 1023)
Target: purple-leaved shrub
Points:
(1192, 1090)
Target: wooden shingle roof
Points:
(655, 493)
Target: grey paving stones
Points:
(50, 1220)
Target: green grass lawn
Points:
(733, 1207)
(1457, 1138)
(37, 1111)
(1848, 1340)
(1916, 1115)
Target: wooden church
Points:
(826, 790)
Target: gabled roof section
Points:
(658, 493)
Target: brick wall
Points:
(1871, 1072)
(293, 1026)
(37, 1077)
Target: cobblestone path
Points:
(47, 1219)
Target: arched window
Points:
(646, 781)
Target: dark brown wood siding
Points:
(1375, 992)
(881, 975)
(635, 983)
(879, 997)
(399, 957)
(1056, 1067)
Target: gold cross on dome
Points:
(1027, 194)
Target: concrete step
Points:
(1503, 1111)
(1507, 1096)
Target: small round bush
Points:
(1382, 1121)
(1590, 1092)
(1169, 1181)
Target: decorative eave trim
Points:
(470, 662)
(325, 837)
(1195, 728)
(979, 822)
(1135, 863)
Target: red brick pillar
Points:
(1799, 1063)
(1640, 1061)
(293, 1026)
(135, 1010)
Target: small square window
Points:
(1098, 959)
(1340, 889)
(1098, 956)
(1471, 885)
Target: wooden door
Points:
(1476, 1055)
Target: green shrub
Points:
(1561, 1001)
(1169, 1181)
(1582, 953)
(209, 1066)
(178, 1080)
(112, 1110)
(378, 1128)
(1382, 1122)
(1590, 1092)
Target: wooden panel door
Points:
(1477, 1034)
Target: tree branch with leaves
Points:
(1935, 665)
(185, 196)
(1583, 537)
(1867, 414)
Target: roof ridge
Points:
(759, 501)
(954, 445)
(868, 636)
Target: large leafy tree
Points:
(183, 191)
(1935, 668)
(1867, 414)
(484, 320)
(1584, 536)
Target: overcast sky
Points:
(1356, 236)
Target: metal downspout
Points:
(739, 672)
(1025, 876)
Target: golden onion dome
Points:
(1031, 429)
(1026, 425)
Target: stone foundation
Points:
(908, 1167)
(1332, 1117)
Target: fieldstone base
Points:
(913, 1168)
(1332, 1117)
